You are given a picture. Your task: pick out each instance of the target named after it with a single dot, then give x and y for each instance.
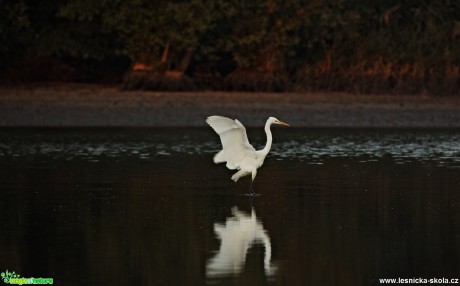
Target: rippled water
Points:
(148, 207)
(436, 146)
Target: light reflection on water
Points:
(148, 207)
(436, 146)
(239, 233)
(440, 147)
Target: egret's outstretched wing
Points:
(234, 140)
(219, 157)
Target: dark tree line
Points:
(407, 46)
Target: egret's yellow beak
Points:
(281, 122)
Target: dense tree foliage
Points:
(356, 45)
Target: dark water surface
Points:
(148, 207)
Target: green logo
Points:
(16, 279)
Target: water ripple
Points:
(441, 147)
(403, 146)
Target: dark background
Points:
(387, 46)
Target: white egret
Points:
(236, 151)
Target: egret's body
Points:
(236, 151)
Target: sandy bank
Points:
(75, 105)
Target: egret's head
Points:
(273, 120)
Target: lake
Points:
(148, 207)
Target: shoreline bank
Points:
(84, 105)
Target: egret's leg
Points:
(251, 190)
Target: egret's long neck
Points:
(268, 132)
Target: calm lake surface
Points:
(148, 207)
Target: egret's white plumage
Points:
(236, 151)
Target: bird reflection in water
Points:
(237, 235)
